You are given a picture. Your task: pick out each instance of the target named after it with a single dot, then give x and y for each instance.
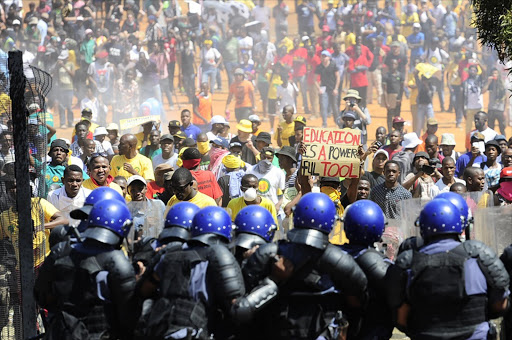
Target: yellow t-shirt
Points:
(237, 204)
(400, 38)
(411, 19)
(287, 42)
(140, 139)
(9, 228)
(140, 163)
(350, 40)
(414, 91)
(89, 184)
(288, 131)
(275, 81)
(200, 199)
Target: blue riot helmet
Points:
(364, 222)
(210, 225)
(254, 225)
(458, 201)
(98, 194)
(179, 221)
(109, 222)
(439, 216)
(313, 219)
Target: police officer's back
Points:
(300, 284)
(89, 287)
(364, 224)
(191, 286)
(446, 289)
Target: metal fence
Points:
(23, 149)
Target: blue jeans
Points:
(230, 69)
(210, 73)
(327, 106)
(424, 110)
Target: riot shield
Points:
(492, 226)
(476, 201)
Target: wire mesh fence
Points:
(33, 89)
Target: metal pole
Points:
(23, 192)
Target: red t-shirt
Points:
(391, 152)
(299, 69)
(153, 189)
(359, 79)
(319, 50)
(311, 64)
(207, 184)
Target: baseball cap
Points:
(102, 54)
(500, 137)
(381, 151)
(506, 172)
(268, 151)
(416, 25)
(87, 111)
(235, 144)
(175, 123)
(100, 130)
(16, 22)
(326, 53)
(300, 119)
(88, 31)
(220, 141)
(239, 71)
(254, 118)
(477, 136)
(218, 120)
(180, 135)
(136, 178)
(189, 142)
(432, 121)
(288, 151)
(244, 126)
(398, 119)
(167, 136)
(325, 28)
(447, 139)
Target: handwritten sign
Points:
(129, 123)
(331, 152)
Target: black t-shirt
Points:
(374, 178)
(224, 186)
(402, 62)
(425, 92)
(115, 52)
(327, 75)
(393, 83)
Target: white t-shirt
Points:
(440, 187)
(158, 159)
(436, 57)
(262, 14)
(438, 14)
(270, 182)
(287, 95)
(107, 146)
(65, 204)
(210, 56)
(246, 44)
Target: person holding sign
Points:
(328, 87)
(361, 114)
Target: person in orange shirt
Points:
(431, 130)
(243, 91)
(203, 109)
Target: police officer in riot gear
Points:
(459, 202)
(300, 284)
(446, 289)
(194, 288)
(254, 226)
(66, 232)
(177, 224)
(364, 224)
(89, 287)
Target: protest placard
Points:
(128, 123)
(331, 152)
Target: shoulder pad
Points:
(413, 243)
(225, 273)
(506, 258)
(61, 249)
(344, 271)
(373, 264)
(404, 259)
(489, 263)
(257, 266)
(121, 273)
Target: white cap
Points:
(64, 54)
(416, 25)
(66, 141)
(411, 140)
(218, 120)
(100, 130)
(384, 152)
(80, 18)
(136, 178)
(16, 22)
(254, 118)
(112, 126)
